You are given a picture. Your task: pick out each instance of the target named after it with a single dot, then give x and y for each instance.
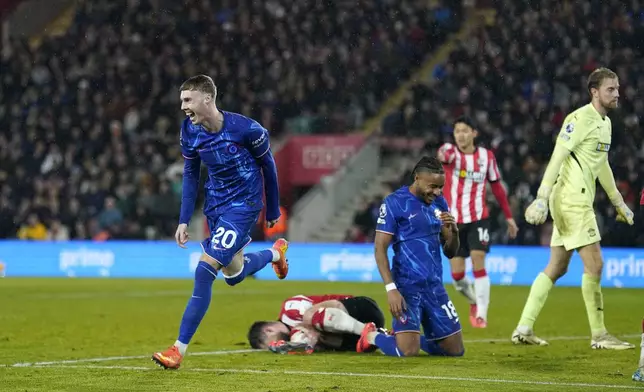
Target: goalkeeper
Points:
(580, 158)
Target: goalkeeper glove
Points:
(537, 211)
(624, 214)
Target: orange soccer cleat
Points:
(473, 311)
(363, 343)
(168, 359)
(479, 323)
(281, 266)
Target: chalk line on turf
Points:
(244, 351)
(366, 375)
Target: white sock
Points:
(337, 321)
(276, 254)
(482, 289)
(464, 286)
(182, 347)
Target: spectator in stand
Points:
(518, 77)
(33, 229)
(93, 113)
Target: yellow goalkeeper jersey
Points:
(588, 136)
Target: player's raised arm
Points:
(259, 146)
(607, 181)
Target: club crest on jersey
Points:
(232, 149)
(472, 175)
(604, 147)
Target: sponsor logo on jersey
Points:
(472, 175)
(258, 142)
(604, 147)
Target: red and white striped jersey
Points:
(466, 177)
(293, 308)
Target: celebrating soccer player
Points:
(580, 157)
(320, 322)
(416, 220)
(468, 168)
(236, 151)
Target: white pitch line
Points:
(554, 338)
(243, 351)
(103, 359)
(370, 375)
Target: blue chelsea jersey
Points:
(230, 155)
(415, 227)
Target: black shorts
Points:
(365, 310)
(473, 236)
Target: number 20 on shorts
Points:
(223, 237)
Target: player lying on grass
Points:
(567, 189)
(237, 154)
(308, 323)
(416, 221)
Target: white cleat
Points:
(527, 338)
(609, 342)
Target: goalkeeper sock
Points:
(253, 262)
(464, 286)
(592, 293)
(537, 298)
(205, 275)
(334, 320)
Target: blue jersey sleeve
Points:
(188, 151)
(441, 204)
(257, 141)
(386, 222)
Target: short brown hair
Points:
(597, 77)
(201, 83)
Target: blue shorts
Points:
(229, 234)
(430, 308)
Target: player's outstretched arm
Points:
(607, 181)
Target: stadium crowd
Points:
(518, 85)
(89, 121)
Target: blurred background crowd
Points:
(518, 86)
(89, 120)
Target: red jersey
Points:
(293, 308)
(466, 177)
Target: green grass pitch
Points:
(45, 322)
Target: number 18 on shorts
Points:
(432, 310)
